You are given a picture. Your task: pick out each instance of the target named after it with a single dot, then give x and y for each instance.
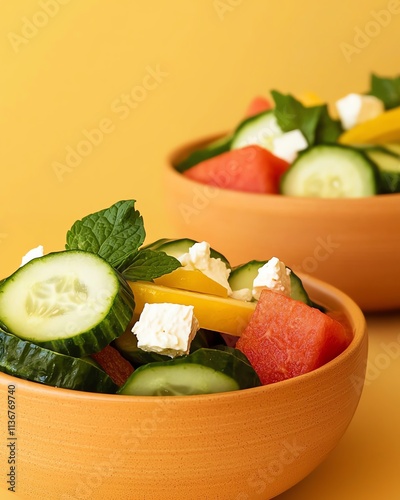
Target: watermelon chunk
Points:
(286, 338)
(114, 364)
(258, 105)
(252, 169)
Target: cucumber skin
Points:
(298, 292)
(244, 123)
(389, 179)
(223, 359)
(390, 182)
(127, 346)
(164, 244)
(94, 340)
(25, 360)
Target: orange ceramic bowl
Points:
(249, 444)
(353, 244)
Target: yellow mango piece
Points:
(384, 129)
(193, 280)
(220, 314)
(310, 99)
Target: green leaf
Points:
(114, 233)
(328, 129)
(215, 148)
(387, 90)
(149, 264)
(292, 115)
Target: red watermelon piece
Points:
(114, 364)
(286, 338)
(258, 105)
(253, 169)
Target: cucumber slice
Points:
(178, 247)
(331, 171)
(72, 302)
(388, 162)
(243, 276)
(260, 130)
(205, 371)
(23, 359)
(213, 149)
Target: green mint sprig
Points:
(116, 234)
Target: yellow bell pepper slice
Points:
(193, 280)
(384, 129)
(220, 314)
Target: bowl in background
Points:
(249, 444)
(352, 243)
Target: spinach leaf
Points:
(387, 90)
(292, 114)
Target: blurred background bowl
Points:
(353, 244)
(254, 443)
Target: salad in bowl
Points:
(301, 147)
(161, 371)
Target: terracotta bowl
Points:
(353, 244)
(250, 444)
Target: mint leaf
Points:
(328, 129)
(149, 264)
(387, 90)
(114, 233)
(291, 115)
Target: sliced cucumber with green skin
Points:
(205, 371)
(72, 302)
(331, 171)
(243, 276)
(178, 247)
(213, 149)
(127, 346)
(259, 130)
(388, 162)
(23, 359)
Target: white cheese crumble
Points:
(244, 294)
(199, 257)
(273, 275)
(166, 328)
(356, 108)
(288, 145)
(34, 253)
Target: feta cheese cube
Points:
(166, 328)
(356, 108)
(199, 257)
(32, 254)
(244, 294)
(273, 275)
(287, 145)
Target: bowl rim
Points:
(235, 197)
(313, 285)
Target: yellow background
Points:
(72, 72)
(64, 72)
